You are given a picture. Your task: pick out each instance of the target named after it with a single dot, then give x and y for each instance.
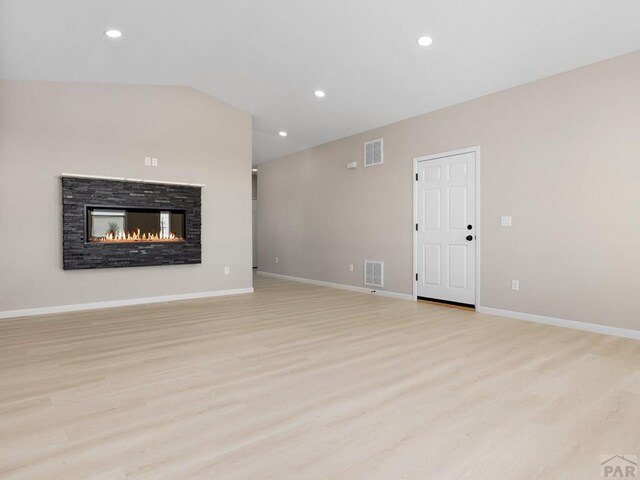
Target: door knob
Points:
(469, 238)
(469, 227)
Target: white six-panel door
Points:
(446, 226)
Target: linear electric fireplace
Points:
(127, 225)
(117, 223)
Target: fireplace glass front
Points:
(128, 225)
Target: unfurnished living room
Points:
(333, 240)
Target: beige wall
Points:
(561, 155)
(50, 128)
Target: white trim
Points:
(120, 303)
(478, 235)
(135, 180)
(341, 286)
(560, 322)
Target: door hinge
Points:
(416, 177)
(416, 277)
(416, 227)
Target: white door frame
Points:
(478, 235)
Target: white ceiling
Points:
(267, 57)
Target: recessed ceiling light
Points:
(425, 41)
(282, 134)
(254, 169)
(113, 33)
(319, 93)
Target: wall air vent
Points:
(373, 153)
(374, 273)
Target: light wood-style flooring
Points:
(304, 382)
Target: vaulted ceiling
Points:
(268, 57)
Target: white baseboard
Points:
(342, 286)
(120, 303)
(559, 322)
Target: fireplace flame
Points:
(121, 236)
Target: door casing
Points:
(478, 233)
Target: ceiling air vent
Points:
(374, 273)
(373, 154)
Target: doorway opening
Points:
(254, 211)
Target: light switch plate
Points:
(351, 267)
(226, 270)
(147, 161)
(515, 284)
(154, 162)
(505, 221)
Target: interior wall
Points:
(560, 155)
(49, 128)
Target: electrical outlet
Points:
(277, 259)
(226, 270)
(351, 267)
(505, 221)
(154, 162)
(515, 284)
(147, 161)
